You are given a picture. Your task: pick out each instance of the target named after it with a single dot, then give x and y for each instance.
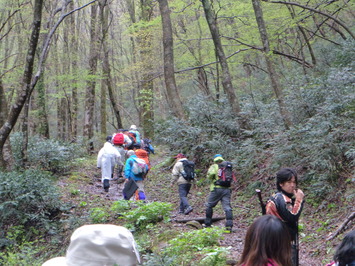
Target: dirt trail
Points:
(312, 251)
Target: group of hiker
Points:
(282, 210)
(269, 239)
(126, 154)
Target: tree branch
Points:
(46, 45)
(315, 11)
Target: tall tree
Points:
(275, 83)
(106, 68)
(169, 75)
(90, 89)
(226, 76)
(26, 89)
(146, 88)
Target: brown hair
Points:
(267, 239)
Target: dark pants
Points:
(184, 190)
(224, 196)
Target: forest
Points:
(268, 84)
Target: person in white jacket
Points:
(107, 158)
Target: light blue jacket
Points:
(128, 169)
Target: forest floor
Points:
(318, 221)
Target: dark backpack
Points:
(189, 170)
(147, 146)
(118, 139)
(225, 174)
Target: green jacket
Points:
(212, 173)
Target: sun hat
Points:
(97, 245)
(180, 155)
(133, 127)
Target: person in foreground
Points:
(287, 204)
(267, 243)
(345, 252)
(98, 245)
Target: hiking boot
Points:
(106, 185)
(181, 212)
(188, 210)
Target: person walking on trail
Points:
(133, 129)
(120, 141)
(184, 184)
(266, 243)
(107, 158)
(130, 175)
(287, 204)
(218, 193)
(141, 153)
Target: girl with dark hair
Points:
(267, 243)
(287, 204)
(345, 252)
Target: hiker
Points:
(97, 245)
(141, 153)
(107, 158)
(218, 193)
(266, 243)
(130, 175)
(287, 204)
(184, 184)
(345, 252)
(120, 141)
(147, 145)
(133, 129)
(131, 136)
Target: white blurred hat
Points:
(98, 245)
(133, 127)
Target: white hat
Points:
(97, 245)
(133, 127)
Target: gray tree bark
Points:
(270, 65)
(173, 98)
(226, 77)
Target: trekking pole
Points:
(297, 246)
(262, 205)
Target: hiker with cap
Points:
(287, 204)
(98, 245)
(107, 158)
(142, 154)
(184, 183)
(132, 175)
(133, 129)
(120, 141)
(218, 193)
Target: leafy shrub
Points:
(28, 198)
(99, 215)
(48, 154)
(148, 213)
(205, 241)
(120, 206)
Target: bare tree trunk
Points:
(25, 91)
(146, 88)
(168, 45)
(6, 160)
(90, 90)
(270, 66)
(104, 17)
(74, 65)
(226, 77)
